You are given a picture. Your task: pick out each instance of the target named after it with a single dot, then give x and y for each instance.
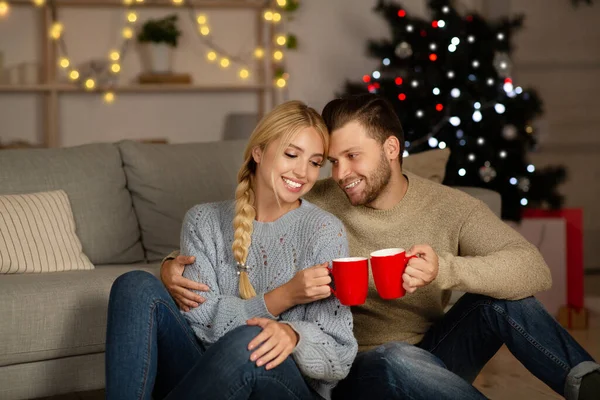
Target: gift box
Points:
(558, 234)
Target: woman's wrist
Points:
(278, 300)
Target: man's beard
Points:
(374, 184)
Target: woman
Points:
(264, 257)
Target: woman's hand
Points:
(310, 284)
(275, 343)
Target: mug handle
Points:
(330, 288)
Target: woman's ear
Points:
(392, 147)
(257, 154)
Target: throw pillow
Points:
(37, 234)
(428, 164)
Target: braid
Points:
(243, 226)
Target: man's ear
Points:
(391, 147)
(257, 154)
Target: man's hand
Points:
(180, 288)
(278, 341)
(420, 271)
(310, 284)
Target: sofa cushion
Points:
(37, 234)
(429, 164)
(167, 180)
(47, 316)
(93, 178)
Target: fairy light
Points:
(132, 17)
(276, 17)
(259, 52)
(268, 15)
(201, 19)
(281, 3)
(127, 2)
(39, 3)
(74, 75)
(114, 55)
(204, 30)
(224, 62)
(56, 30)
(178, 2)
(244, 73)
(115, 68)
(278, 55)
(4, 8)
(280, 82)
(90, 84)
(281, 40)
(64, 62)
(109, 97)
(211, 56)
(127, 32)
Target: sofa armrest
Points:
(489, 197)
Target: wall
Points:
(557, 53)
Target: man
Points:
(408, 347)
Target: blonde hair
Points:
(283, 122)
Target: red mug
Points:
(351, 278)
(388, 265)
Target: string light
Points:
(114, 55)
(115, 68)
(64, 62)
(211, 56)
(433, 142)
(524, 201)
(4, 8)
(268, 15)
(281, 3)
(109, 97)
(127, 2)
(278, 55)
(386, 61)
(224, 62)
(376, 74)
(281, 82)
(204, 30)
(132, 17)
(56, 30)
(244, 73)
(471, 157)
(39, 3)
(471, 39)
(201, 19)
(462, 172)
(281, 40)
(127, 32)
(276, 17)
(531, 168)
(178, 2)
(442, 145)
(259, 52)
(90, 84)
(74, 75)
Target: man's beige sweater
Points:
(478, 253)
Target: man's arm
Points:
(494, 260)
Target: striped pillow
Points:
(37, 234)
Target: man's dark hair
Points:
(375, 113)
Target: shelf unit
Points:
(50, 88)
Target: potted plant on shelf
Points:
(160, 37)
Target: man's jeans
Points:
(455, 349)
(152, 351)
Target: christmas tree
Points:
(449, 79)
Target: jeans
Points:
(455, 349)
(152, 352)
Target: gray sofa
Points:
(128, 200)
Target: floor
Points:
(503, 378)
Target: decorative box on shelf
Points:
(170, 78)
(558, 234)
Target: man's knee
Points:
(400, 360)
(135, 285)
